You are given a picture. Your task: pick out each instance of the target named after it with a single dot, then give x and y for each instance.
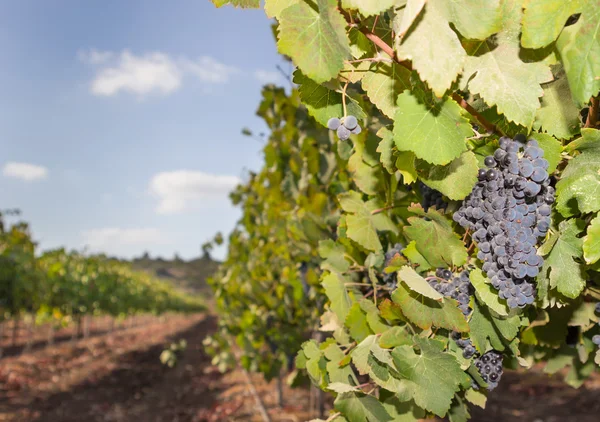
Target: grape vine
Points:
(432, 178)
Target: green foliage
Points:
(434, 86)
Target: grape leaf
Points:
(455, 180)
(415, 257)
(405, 163)
(552, 149)
(406, 16)
(579, 48)
(435, 239)
(485, 326)
(244, 4)
(560, 267)
(356, 322)
(400, 411)
(435, 130)
(335, 290)
(395, 336)
(323, 103)
(495, 71)
(543, 21)
(367, 178)
(591, 241)
(376, 323)
(273, 8)
(433, 47)
(476, 397)
(418, 284)
(578, 190)
(333, 255)
(340, 387)
(391, 311)
(359, 407)
(558, 116)
(425, 312)
(474, 19)
(383, 83)
(433, 374)
(486, 293)
(385, 149)
(315, 40)
(368, 7)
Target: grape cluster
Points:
(345, 126)
(596, 338)
(431, 197)
(391, 280)
(465, 344)
(506, 212)
(458, 288)
(490, 368)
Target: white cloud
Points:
(153, 72)
(94, 56)
(209, 70)
(181, 190)
(25, 171)
(268, 77)
(111, 238)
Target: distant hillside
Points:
(189, 275)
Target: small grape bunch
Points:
(458, 288)
(345, 126)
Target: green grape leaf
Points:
(552, 149)
(425, 312)
(476, 397)
(558, 116)
(338, 370)
(323, 103)
(433, 375)
(368, 7)
(335, 290)
(360, 354)
(273, 8)
(484, 326)
(360, 46)
(578, 190)
(340, 387)
(315, 40)
(543, 21)
(579, 49)
(391, 311)
(376, 323)
(495, 71)
(361, 230)
(418, 284)
(395, 336)
(455, 180)
(401, 411)
(433, 47)
(333, 255)
(435, 130)
(459, 411)
(560, 267)
(359, 407)
(406, 16)
(383, 83)
(405, 163)
(244, 4)
(386, 154)
(415, 257)
(591, 241)
(435, 239)
(356, 322)
(474, 19)
(487, 294)
(367, 178)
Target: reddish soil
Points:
(118, 377)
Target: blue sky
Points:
(120, 120)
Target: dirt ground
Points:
(118, 377)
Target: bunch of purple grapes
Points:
(458, 287)
(507, 212)
(490, 368)
(431, 197)
(344, 127)
(391, 280)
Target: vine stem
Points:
(490, 127)
(344, 98)
(592, 117)
(380, 210)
